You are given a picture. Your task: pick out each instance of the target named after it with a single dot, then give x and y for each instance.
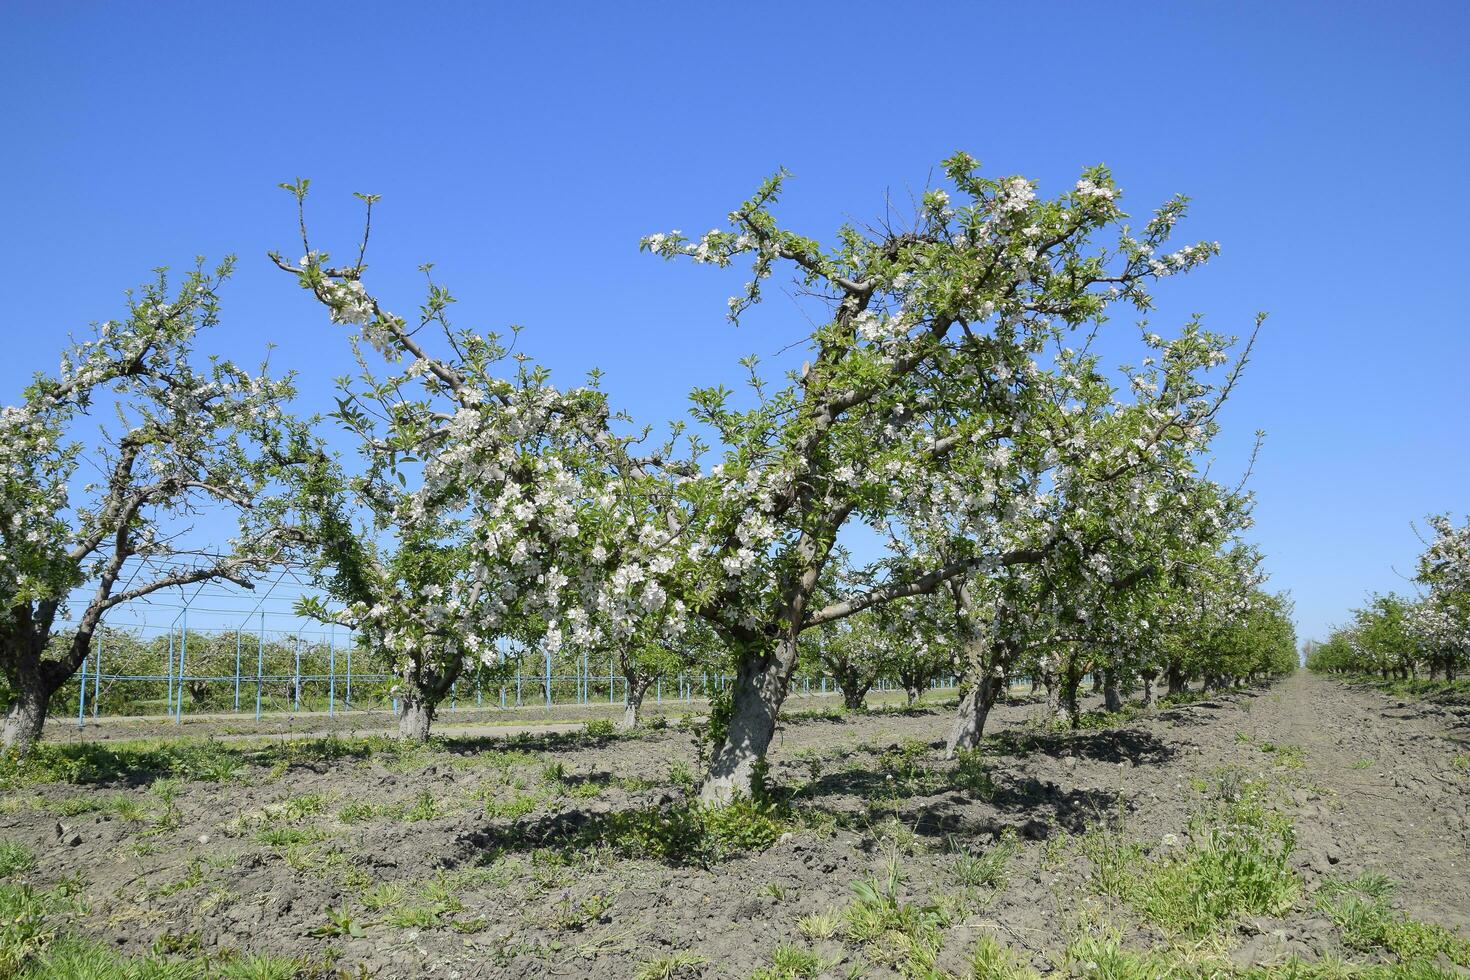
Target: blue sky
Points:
(524, 151)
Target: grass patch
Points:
(1233, 863)
(675, 966)
(985, 870)
(790, 962)
(685, 833)
(15, 858)
(1361, 909)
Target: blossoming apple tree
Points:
(488, 503)
(90, 523)
(932, 352)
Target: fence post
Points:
(548, 678)
(296, 643)
(97, 677)
(237, 670)
(183, 655)
(259, 665)
(332, 673)
(82, 697)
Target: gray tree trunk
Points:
(1112, 700)
(415, 718)
(25, 718)
(637, 687)
(759, 690)
(969, 721)
(1148, 690)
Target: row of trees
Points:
(1398, 637)
(1039, 511)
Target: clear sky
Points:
(525, 148)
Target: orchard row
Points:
(955, 480)
(1399, 638)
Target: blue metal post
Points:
(548, 677)
(183, 655)
(97, 677)
(237, 670)
(259, 665)
(297, 643)
(82, 697)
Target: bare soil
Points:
(497, 874)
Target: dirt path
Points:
(1396, 805)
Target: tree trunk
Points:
(1148, 689)
(415, 718)
(969, 721)
(26, 716)
(854, 696)
(637, 687)
(1071, 710)
(1177, 683)
(1112, 700)
(1097, 680)
(1053, 696)
(912, 693)
(33, 679)
(759, 690)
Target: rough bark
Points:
(25, 718)
(637, 688)
(1148, 688)
(1112, 700)
(756, 698)
(854, 696)
(1071, 709)
(415, 718)
(421, 689)
(1176, 679)
(33, 679)
(969, 722)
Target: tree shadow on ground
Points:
(1132, 745)
(1035, 808)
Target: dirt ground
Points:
(516, 857)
